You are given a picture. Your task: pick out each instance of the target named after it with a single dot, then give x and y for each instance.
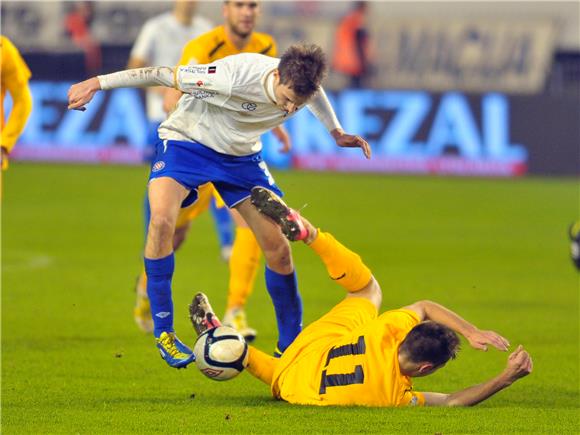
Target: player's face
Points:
(286, 98)
(241, 16)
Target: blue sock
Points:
(283, 290)
(223, 224)
(159, 273)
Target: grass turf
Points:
(74, 362)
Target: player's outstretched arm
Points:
(477, 338)
(82, 93)
(321, 108)
(519, 365)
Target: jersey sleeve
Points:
(143, 47)
(412, 398)
(15, 75)
(14, 69)
(211, 81)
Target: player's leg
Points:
(244, 263)
(165, 197)
(224, 227)
(142, 310)
(203, 318)
(281, 279)
(344, 266)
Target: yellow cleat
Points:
(236, 318)
(142, 310)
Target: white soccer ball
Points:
(221, 353)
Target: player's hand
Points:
(284, 138)
(519, 364)
(481, 339)
(351, 141)
(82, 93)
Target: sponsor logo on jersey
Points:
(199, 83)
(157, 167)
(211, 69)
(250, 107)
(203, 94)
(195, 69)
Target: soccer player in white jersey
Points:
(160, 42)
(213, 136)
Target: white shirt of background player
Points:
(159, 43)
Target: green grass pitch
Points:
(73, 361)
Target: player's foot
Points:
(173, 351)
(142, 309)
(271, 205)
(236, 318)
(226, 253)
(277, 352)
(202, 315)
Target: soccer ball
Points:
(221, 353)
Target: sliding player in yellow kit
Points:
(351, 355)
(14, 79)
(235, 36)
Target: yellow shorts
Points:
(204, 195)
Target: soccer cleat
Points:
(202, 315)
(236, 318)
(173, 351)
(271, 205)
(142, 309)
(277, 352)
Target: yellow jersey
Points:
(215, 45)
(348, 357)
(14, 78)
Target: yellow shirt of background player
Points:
(214, 45)
(14, 78)
(356, 368)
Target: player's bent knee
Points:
(161, 227)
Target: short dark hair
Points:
(430, 342)
(303, 67)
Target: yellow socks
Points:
(261, 365)
(244, 263)
(344, 266)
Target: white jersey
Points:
(228, 104)
(160, 42)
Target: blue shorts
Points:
(192, 164)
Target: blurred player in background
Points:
(235, 36)
(352, 356)
(160, 43)
(574, 234)
(214, 136)
(352, 50)
(15, 75)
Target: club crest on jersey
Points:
(211, 70)
(158, 166)
(250, 107)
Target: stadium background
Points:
(496, 94)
